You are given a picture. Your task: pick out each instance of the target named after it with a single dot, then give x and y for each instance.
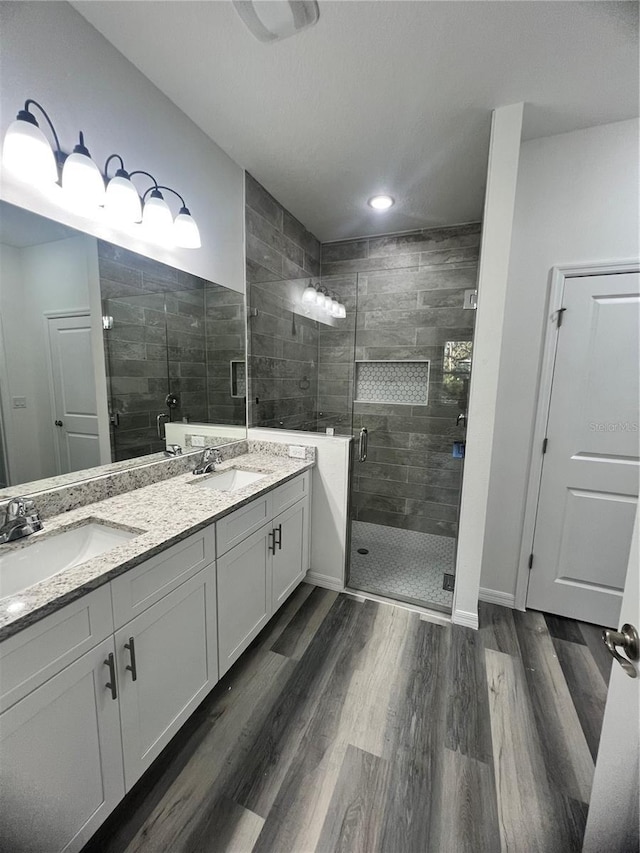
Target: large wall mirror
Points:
(107, 355)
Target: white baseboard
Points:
(466, 618)
(494, 596)
(325, 581)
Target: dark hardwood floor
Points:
(360, 727)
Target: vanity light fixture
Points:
(122, 202)
(82, 180)
(309, 295)
(381, 202)
(29, 157)
(320, 298)
(26, 152)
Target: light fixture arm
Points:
(109, 159)
(28, 116)
(148, 175)
(171, 190)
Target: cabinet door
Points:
(291, 558)
(167, 662)
(244, 595)
(61, 759)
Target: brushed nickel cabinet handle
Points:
(131, 646)
(111, 684)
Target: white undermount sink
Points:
(42, 559)
(231, 480)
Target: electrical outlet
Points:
(197, 441)
(297, 452)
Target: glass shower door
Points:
(411, 367)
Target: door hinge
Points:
(544, 445)
(530, 561)
(560, 313)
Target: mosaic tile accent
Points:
(405, 382)
(401, 563)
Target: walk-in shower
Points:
(394, 374)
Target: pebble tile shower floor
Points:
(401, 563)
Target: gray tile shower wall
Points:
(408, 290)
(282, 256)
(172, 332)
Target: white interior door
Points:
(589, 485)
(612, 823)
(74, 393)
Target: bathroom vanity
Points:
(102, 663)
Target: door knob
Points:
(58, 423)
(628, 640)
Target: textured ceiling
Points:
(381, 96)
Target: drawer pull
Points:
(132, 656)
(111, 684)
(278, 530)
(272, 542)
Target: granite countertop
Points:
(164, 513)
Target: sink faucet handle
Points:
(16, 508)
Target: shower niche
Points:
(400, 382)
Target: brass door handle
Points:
(628, 640)
(111, 684)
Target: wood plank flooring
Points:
(359, 727)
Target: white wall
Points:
(497, 221)
(329, 501)
(52, 54)
(576, 202)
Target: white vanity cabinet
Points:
(60, 745)
(257, 575)
(167, 663)
(91, 694)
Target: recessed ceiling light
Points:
(381, 202)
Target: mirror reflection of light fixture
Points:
(272, 20)
(309, 295)
(321, 299)
(28, 156)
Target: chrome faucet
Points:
(20, 519)
(173, 450)
(210, 458)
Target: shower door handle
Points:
(363, 444)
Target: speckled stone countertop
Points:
(163, 512)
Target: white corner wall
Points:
(52, 54)
(502, 171)
(576, 202)
(329, 501)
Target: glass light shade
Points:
(320, 299)
(328, 301)
(342, 310)
(82, 182)
(122, 202)
(309, 295)
(185, 231)
(27, 155)
(157, 219)
(335, 308)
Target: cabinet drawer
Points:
(147, 583)
(286, 495)
(236, 526)
(31, 657)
